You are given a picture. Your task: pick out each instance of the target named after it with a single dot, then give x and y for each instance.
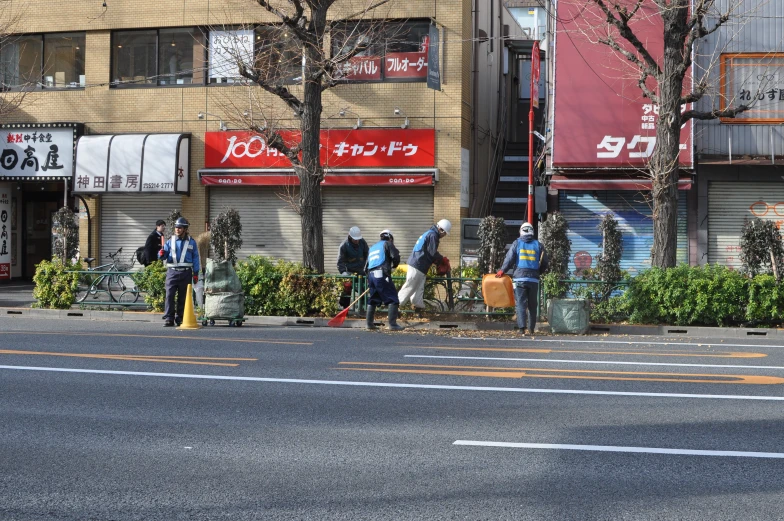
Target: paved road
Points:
(122, 421)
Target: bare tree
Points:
(309, 51)
(663, 81)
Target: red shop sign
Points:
(329, 180)
(405, 65)
(363, 68)
(5, 271)
(340, 148)
(601, 118)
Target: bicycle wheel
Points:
(122, 289)
(88, 287)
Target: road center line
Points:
(611, 448)
(595, 362)
(397, 385)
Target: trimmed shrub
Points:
(684, 295)
(766, 300)
(152, 280)
(492, 240)
(280, 288)
(760, 246)
(226, 235)
(54, 288)
(66, 230)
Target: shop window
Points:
(64, 60)
(756, 80)
(268, 49)
(391, 51)
(157, 57)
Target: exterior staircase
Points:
(511, 194)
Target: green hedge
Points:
(54, 288)
(703, 295)
(152, 280)
(280, 288)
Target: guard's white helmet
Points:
(445, 225)
(354, 233)
(526, 228)
(386, 234)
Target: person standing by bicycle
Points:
(181, 255)
(153, 242)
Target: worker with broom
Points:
(383, 257)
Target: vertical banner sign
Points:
(433, 63)
(535, 61)
(5, 231)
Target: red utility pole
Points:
(534, 103)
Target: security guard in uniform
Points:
(528, 258)
(383, 257)
(181, 256)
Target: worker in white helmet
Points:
(424, 255)
(528, 258)
(382, 259)
(352, 255)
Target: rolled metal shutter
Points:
(127, 220)
(407, 212)
(269, 226)
(729, 205)
(584, 211)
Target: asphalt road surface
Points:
(130, 421)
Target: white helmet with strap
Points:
(526, 228)
(445, 225)
(354, 233)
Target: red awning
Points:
(560, 182)
(282, 179)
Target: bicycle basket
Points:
(126, 261)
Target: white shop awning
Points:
(157, 163)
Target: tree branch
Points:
(275, 140)
(697, 30)
(278, 90)
(713, 114)
(621, 22)
(296, 23)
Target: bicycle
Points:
(120, 283)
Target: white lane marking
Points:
(630, 342)
(594, 362)
(399, 385)
(611, 448)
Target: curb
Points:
(359, 323)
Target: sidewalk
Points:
(460, 325)
(17, 295)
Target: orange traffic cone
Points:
(189, 320)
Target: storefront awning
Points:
(559, 182)
(152, 163)
(343, 177)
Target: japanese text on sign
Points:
(39, 152)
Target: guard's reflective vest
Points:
(377, 255)
(173, 252)
(528, 255)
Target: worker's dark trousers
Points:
(526, 299)
(176, 284)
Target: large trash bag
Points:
(221, 278)
(569, 315)
(224, 305)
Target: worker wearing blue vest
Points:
(424, 255)
(383, 257)
(528, 258)
(181, 256)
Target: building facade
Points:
(157, 119)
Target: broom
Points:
(341, 317)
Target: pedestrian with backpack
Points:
(153, 243)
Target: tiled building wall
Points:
(106, 110)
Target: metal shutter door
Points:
(729, 204)
(127, 220)
(408, 212)
(584, 211)
(269, 226)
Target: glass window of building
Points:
(278, 56)
(20, 61)
(134, 58)
(181, 52)
(63, 64)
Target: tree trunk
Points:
(664, 165)
(310, 172)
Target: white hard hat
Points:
(526, 226)
(445, 225)
(388, 233)
(354, 233)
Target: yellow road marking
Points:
(178, 337)
(191, 360)
(532, 372)
(549, 351)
